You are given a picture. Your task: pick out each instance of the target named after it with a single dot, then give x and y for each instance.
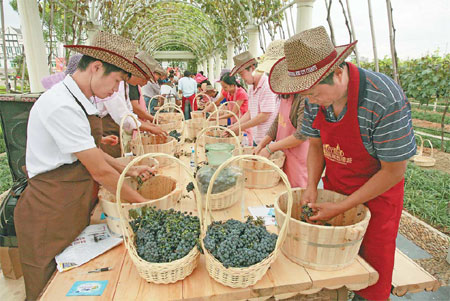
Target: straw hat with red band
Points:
(143, 60)
(112, 49)
(309, 57)
(242, 61)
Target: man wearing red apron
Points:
(63, 160)
(359, 124)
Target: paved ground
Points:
(415, 252)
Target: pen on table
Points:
(101, 270)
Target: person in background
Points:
(64, 162)
(237, 98)
(187, 86)
(263, 103)
(359, 124)
(169, 91)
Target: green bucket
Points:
(217, 153)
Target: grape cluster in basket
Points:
(239, 244)
(227, 178)
(164, 235)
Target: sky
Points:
(423, 26)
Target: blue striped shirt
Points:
(384, 117)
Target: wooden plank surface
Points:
(409, 277)
(62, 282)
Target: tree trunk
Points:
(392, 41)
(443, 124)
(50, 37)
(374, 43)
(346, 21)
(330, 24)
(353, 34)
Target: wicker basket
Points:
(124, 148)
(155, 144)
(320, 247)
(170, 121)
(242, 277)
(162, 191)
(157, 272)
(150, 101)
(228, 197)
(260, 175)
(420, 159)
(200, 113)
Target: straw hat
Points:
(112, 49)
(144, 60)
(222, 73)
(242, 61)
(309, 57)
(274, 52)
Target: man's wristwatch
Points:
(268, 149)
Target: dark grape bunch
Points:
(175, 135)
(227, 178)
(306, 212)
(164, 235)
(238, 244)
(190, 187)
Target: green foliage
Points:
(429, 116)
(164, 235)
(427, 195)
(421, 79)
(238, 244)
(5, 174)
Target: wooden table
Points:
(283, 277)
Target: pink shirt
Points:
(262, 100)
(239, 94)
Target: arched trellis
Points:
(155, 38)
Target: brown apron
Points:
(110, 127)
(51, 212)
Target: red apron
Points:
(348, 167)
(295, 163)
(191, 100)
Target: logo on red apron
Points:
(335, 154)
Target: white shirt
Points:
(58, 128)
(188, 86)
(166, 90)
(150, 89)
(118, 106)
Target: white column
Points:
(218, 69)
(211, 68)
(253, 39)
(230, 54)
(205, 67)
(304, 15)
(33, 40)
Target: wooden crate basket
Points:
(260, 175)
(242, 277)
(322, 247)
(195, 126)
(163, 273)
(154, 144)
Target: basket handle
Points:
(225, 104)
(123, 221)
(150, 101)
(238, 121)
(167, 106)
(420, 149)
(238, 144)
(431, 146)
(195, 101)
(284, 228)
(121, 131)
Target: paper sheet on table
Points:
(267, 214)
(93, 241)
